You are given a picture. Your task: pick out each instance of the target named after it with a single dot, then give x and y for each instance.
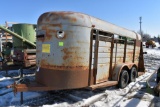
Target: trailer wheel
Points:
(133, 74)
(124, 78)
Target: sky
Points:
(124, 13)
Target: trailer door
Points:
(101, 55)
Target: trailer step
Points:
(102, 85)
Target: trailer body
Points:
(75, 50)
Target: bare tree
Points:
(145, 36)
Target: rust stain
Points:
(73, 19)
(71, 53)
(45, 64)
(56, 25)
(41, 39)
(54, 67)
(102, 79)
(44, 27)
(57, 16)
(70, 78)
(48, 34)
(65, 57)
(40, 20)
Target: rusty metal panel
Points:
(118, 50)
(113, 65)
(120, 45)
(104, 50)
(63, 78)
(79, 19)
(102, 72)
(101, 49)
(137, 52)
(103, 62)
(69, 54)
(99, 24)
(104, 44)
(64, 58)
(103, 84)
(131, 47)
(129, 53)
(119, 54)
(66, 18)
(128, 60)
(73, 52)
(103, 55)
(119, 60)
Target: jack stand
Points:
(21, 76)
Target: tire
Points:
(123, 80)
(133, 74)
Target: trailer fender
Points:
(118, 68)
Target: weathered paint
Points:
(63, 78)
(87, 56)
(103, 61)
(69, 61)
(74, 52)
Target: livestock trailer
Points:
(75, 50)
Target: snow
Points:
(136, 94)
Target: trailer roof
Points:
(79, 19)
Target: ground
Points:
(136, 94)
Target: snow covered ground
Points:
(136, 94)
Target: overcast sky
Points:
(124, 13)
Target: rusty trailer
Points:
(75, 50)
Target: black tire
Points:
(147, 46)
(123, 80)
(133, 74)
